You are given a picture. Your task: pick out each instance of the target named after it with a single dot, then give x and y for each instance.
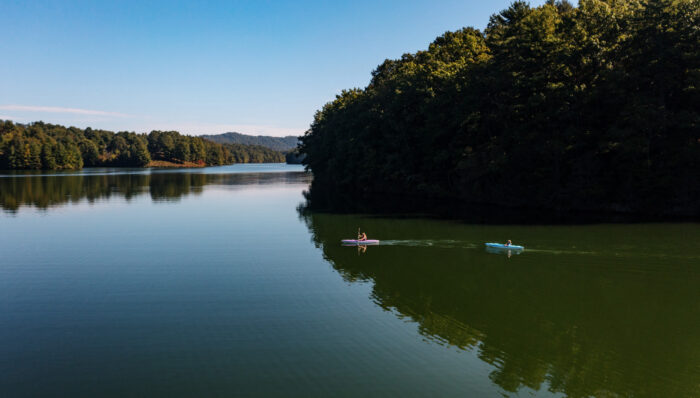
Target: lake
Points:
(216, 282)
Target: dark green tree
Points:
(45, 146)
(591, 107)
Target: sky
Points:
(206, 67)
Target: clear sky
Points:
(256, 67)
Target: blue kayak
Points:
(504, 246)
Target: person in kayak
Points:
(509, 243)
(361, 235)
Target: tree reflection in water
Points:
(583, 325)
(45, 191)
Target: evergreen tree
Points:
(588, 107)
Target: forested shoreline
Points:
(281, 144)
(42, 146)
(588, 107)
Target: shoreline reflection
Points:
(574, 324)
(45, 192)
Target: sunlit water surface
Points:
(212, 283)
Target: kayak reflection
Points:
(594, 321)
(497, 250)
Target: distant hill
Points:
(282, 144)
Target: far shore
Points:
(165, 163)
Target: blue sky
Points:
(256, 67)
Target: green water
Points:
(213, 283)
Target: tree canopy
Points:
(593, 107)
(51, 147)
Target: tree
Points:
(557, 107)
(140, 155)
(48, 159)
(89, 152)
(182, 150)
(46, 146)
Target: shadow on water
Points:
(396, 206)
(610, 315)
(45, 191)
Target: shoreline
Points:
(173, 165)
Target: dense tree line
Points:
(282, 144)
(242, 153)
(294, 157)
(591, 107)
(169, 145)
(51, 147)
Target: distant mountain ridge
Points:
(282, 144)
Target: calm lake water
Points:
(213, 283)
